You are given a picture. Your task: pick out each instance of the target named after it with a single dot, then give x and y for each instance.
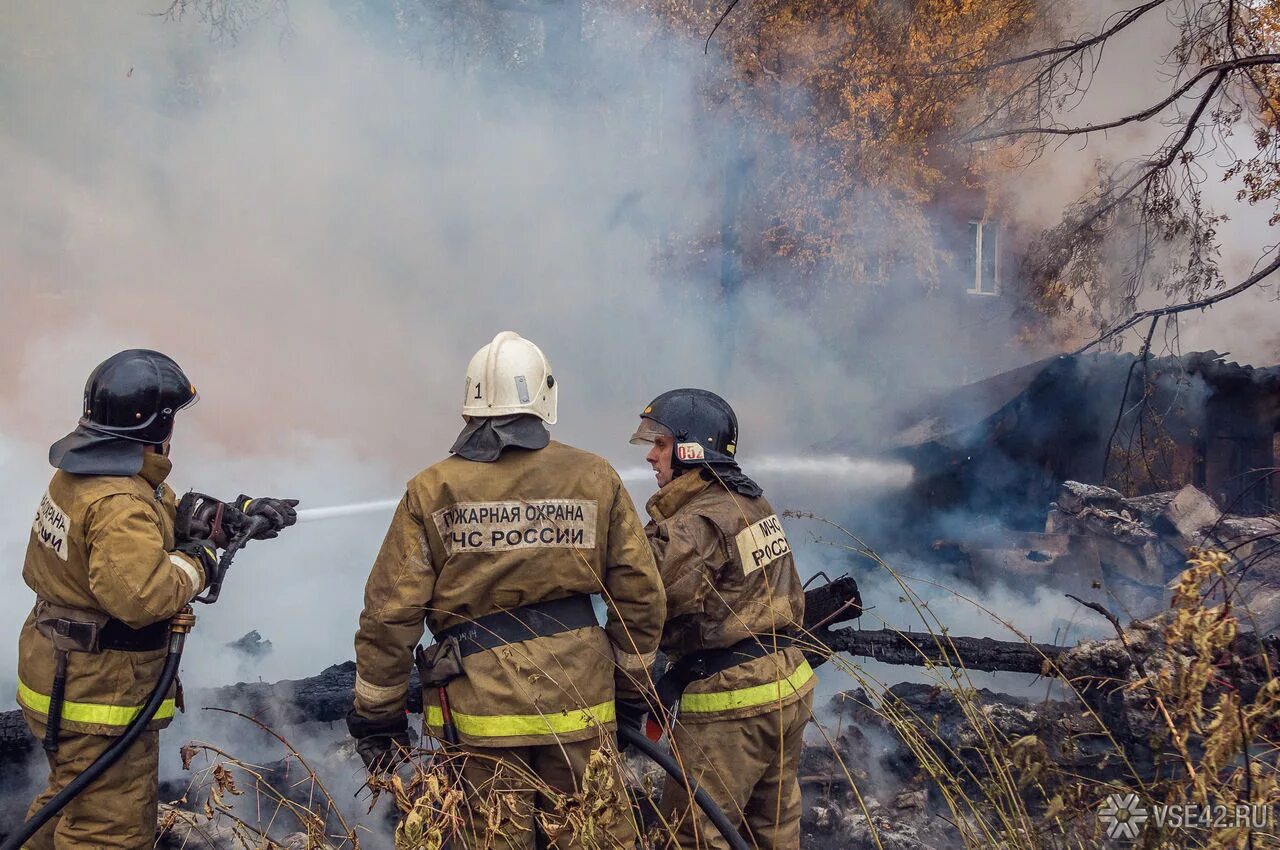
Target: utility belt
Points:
(78, 630)
(441, 662)
(705, 663)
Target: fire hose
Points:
(714, 813)
(181, 624)
(647, 748)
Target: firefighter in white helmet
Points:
(499, 550)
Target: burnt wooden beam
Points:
(324, 698)
(921, 649)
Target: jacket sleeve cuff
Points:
(380, 700)
(636, 665)
(190, 570)
(631, 676)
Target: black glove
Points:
(379, 743)
(206, 552)
(279, 513)
(630, 715)
(202, 517)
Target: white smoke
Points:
(323, 228)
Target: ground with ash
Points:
(868, 789)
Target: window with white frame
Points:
(984, 265)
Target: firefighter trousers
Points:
(573, 793)
(117, 810)
(749, 767)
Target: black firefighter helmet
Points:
(130, 401)
(702, 426)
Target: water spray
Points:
(856, 473)
(336, 511)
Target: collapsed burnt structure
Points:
(1123, 552)
(1003, 446)
(1095, 475)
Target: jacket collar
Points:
(665, 503)
(155, 468)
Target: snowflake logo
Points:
(1123, 815)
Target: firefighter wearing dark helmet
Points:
(111, 558)
(740, 690)
(500, 548)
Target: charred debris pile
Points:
(1123, 552)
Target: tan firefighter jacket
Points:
(101, 543)
(729, 574)
(470, 539)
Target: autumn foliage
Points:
(849, 129)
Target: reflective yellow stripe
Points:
(748, 697)
(89, 712)
(506, 725)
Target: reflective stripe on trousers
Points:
(748, 697)
(508, 725)
(89, 712)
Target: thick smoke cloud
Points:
(322, 227)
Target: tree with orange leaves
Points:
(848, 136)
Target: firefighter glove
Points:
(206, 552)
(279, 513)
(202, 517)
(630, 713)
(381, 744)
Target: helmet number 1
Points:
(477, 389)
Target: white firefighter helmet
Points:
(510, 375)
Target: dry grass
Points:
(995, 790)
(1013, 792)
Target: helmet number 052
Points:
(690, 451)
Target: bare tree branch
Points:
(1153, 166)
(1174, 309)
(1219, 68)
(1124, 395)
(1063, 51)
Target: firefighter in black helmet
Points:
(740, 690)
(111, 558)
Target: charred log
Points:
(324, 698)
(921, 649)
